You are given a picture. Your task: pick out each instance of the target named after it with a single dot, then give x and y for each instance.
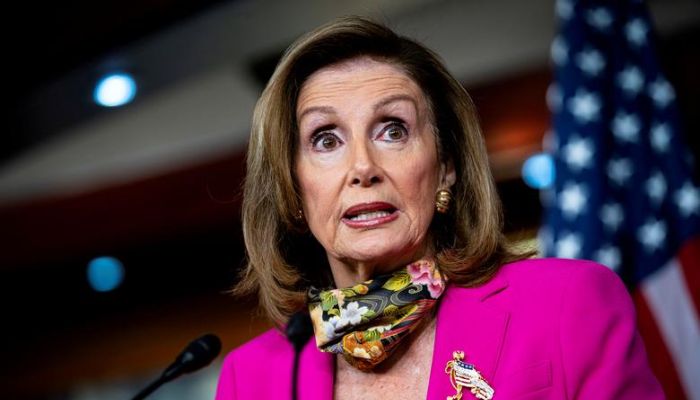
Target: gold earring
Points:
(443, 198)
(299, 215)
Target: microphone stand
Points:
(299, 330)
(172, 372)
(149, 389)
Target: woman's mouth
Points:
(370, 215)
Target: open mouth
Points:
(376, 212)
(369, 215)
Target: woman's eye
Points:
(325, 141)
(394, 132)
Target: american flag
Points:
(624, 194)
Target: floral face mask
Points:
(366, 322)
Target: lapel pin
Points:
(463, 374)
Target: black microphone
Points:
(199, 353)
(299, 330)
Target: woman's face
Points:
(367, 166)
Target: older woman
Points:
(369, 202)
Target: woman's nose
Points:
(364, 170)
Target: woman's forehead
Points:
(358, 77)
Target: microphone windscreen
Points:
(299, 329)
(199, 353)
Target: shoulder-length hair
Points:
(283, 258)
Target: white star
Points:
(661, 92)
(620, 170)
(590, 61)
(688, 199)
(656, 187)
(626, 127)
(599, 18)
(578, 153)
(572, 200)
(568, 246)
(608, 256)
(612, 215)
(585, 106)
(554, 98)
(559, 51)
(631, 80)
(652, 234)
(565, 9)
(636, 32)
(660, 137)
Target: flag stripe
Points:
(677, 321)
(662, 364)
(689, 257)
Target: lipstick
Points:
(368, 215)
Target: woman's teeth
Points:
(369, 215)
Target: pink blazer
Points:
(540, 329)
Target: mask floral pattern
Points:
(365, 322)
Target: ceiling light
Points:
(115, 90)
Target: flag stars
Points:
(631, 80)
(626, 127)
(612, 216)
(609, 256)
(585, 106)
(578, 153)
(565, 9)
(688, 199)
(656, 187)
(572, 200)
(661, 92)
(591, 62)
(599, 18)
(636, 32)
(652, 235)
(568, 246)
(660, 137)
(620, 170)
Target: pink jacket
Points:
(540, 329)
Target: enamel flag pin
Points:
(465, 375)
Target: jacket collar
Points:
(469, 321)
(316, 373)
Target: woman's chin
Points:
(382, 251)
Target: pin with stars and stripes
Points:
(464, 375)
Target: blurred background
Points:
(119, 224)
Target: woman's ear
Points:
(448, 174)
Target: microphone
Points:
(198, 354)
(299, 330)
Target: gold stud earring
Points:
(443, 198)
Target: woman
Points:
(369, 201)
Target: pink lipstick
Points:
(368, 215)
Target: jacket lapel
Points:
(316, 370)
(466, 322)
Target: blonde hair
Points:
(283, 259)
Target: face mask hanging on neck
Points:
(366, 322)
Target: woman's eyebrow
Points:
(396, 98)
(319, 109)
